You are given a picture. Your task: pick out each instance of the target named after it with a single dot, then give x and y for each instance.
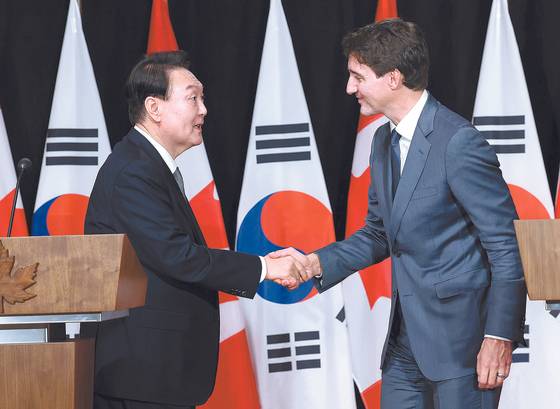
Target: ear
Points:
(395, 78)
(152, 107)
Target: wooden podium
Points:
(539, 246)
(59, 280)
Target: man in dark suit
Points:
(438, 205)
(164, 355)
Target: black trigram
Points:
(504, 133)
(288, 144)
(521, 354)
(74, 150)
(282, 352)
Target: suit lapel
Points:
(140, 141)
(414, 165)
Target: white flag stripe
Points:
(194, 165)
(503, 104)
(360, 162)
(365, 324)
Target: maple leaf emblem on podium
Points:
(13, 287)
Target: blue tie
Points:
(395, 159)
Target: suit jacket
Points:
(166, 351)
(449, 231)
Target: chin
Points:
(368, 111)
(197, 141)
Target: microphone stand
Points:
(23, 164)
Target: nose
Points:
(351, 87)
(202, 108)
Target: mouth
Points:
(198, 126)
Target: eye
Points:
(195, 98)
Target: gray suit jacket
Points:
(449, 232)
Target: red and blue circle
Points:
(285, 219)
(64, 214)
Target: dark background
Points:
(225, 38)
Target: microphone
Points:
(22, 166)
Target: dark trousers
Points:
(405, 387)
(105, 402)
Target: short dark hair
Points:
(391, 44)
(150, 78)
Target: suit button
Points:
(243, 293)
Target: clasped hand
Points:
(290, 268)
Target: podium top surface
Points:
(69, 275)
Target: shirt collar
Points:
(166, 156)
(407, 126)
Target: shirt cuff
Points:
(263, 269)
(495, 337)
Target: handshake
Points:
(290, 268)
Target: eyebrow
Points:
(197, 87)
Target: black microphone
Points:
(23, 164)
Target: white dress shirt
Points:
(407, 126)
(172, 165)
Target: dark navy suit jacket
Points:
(449, 232)
(166, 351)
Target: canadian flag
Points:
(8, 188)
(77, 143)
(367, 295)
(503, 114)
(235, 381)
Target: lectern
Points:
(539, 246)
(59, 280)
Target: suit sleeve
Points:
(476, 181)
(142, 206)
(365, 247)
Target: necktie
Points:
(395, 159)
(179, 179)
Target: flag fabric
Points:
(367, 295)
(77, 143)
(235, 380)
(8, 188)
(161, 36)
(503, 114)
(557, 202)
(298, 339)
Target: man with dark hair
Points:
(438, 205)
(164, 355)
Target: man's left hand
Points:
(493, 363)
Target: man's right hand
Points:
(310, 262)
(286, 271)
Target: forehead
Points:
(356, 67)
(183, 79)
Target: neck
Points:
(153, 131)
(402, 104)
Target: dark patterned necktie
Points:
(179, 179)
(395, 159)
